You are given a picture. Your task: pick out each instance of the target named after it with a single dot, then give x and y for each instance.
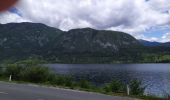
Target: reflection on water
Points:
(155, 76)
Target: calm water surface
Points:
(155, 76)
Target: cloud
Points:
(131, 16)
(161, 5)
(101, 14)
(166, 37)
(9, 17)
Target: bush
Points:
(14, 70)
(60, 80)
(115, 86)
(27, 71)
(69, 82)
(136, 88)
(35, 74)
(84, 84)
(107, 88)
(51, 79)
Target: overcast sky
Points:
(144, 19)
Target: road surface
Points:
(11, 91)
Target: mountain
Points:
(149, 43)
(167, 44)
(88, 40)
(154, 44)
(23, 40)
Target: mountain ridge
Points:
(149, 43)
(84, 45)
(154, 43)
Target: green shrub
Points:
(107, 88)
(14, 70)
(84, 84)
(136, 88)
(27, 70)
(35, 74)
(115, 86)
(51, 79)
(69, 82)
(60, 80)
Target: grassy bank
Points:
(32, 72)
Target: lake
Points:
(155, 76)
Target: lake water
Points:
(155, 76)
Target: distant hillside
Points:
(24, 40)
(149, 43)
(93, 41)
(167, 44)
(154, 44)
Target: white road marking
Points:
(3, 93)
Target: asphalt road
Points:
(11, 91)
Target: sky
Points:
(143, 19)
